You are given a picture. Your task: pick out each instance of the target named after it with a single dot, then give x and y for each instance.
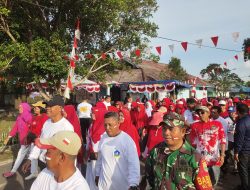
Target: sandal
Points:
(8, 174)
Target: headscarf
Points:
(22, 123)
(24, 118)
(128, 127)
(73, 119)
(149, 109)
(139, 118)
(97, 128)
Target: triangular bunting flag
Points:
(82, 57)
(236, 57)
(215, 40)
(158, 49)
(103, 56)
(138, 53)
(235, 36)
(184, 45)
(111, 55)
(119, 54)
(88, 56)
(171, 47)
(199, 42)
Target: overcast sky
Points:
(190, 20)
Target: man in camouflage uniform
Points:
(174, 163)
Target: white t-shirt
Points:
(48, 130)
(84, 110)
(46, 181)
(231, 129)
(225, 127)
(188, 115)
(118, 164)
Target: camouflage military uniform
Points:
(176, 170)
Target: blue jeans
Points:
(214, 173)
(243, 167)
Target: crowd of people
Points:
(184, 144)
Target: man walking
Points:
(117, 167)
(54, 124)
(84, 114)
(242, 144)
(174, 163)
(61, 172)
(207, 137)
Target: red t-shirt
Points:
(207, 137)
(37, 124)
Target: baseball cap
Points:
(55, 101)
(204, 108)
(66, 141)
(39, 104)
(231, 109)
(173, 120)
(222, 102)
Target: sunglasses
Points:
(200, 112)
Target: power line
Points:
(200, 45)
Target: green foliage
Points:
(45, 29)
(246, 45)
(247, 83)
(221, 78)
(177, 71)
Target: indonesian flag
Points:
(73, 58)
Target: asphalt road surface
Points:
(227, 182)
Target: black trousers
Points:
(85, 123)
(243, 167)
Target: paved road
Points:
(228, 182)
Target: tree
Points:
(246, 46)
(221, 78)
(45, 29)
(247, 83)
(176, 70)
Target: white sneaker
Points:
(31, 176)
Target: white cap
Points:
(222, 102)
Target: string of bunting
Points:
(118, 55)
(152, 88)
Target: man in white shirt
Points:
(54, 124)
(188, 114)
(61, 172)
(117, 167)
(84, 114)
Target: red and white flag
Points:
(72, 65)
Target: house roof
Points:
(147, 71)
(241, 89)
